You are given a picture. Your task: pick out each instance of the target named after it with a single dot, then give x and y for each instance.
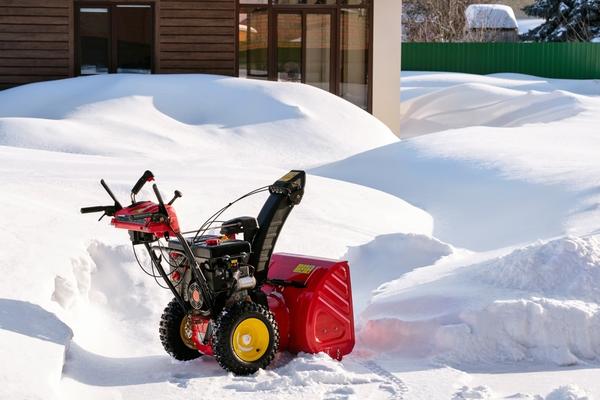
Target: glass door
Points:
(289, 40)
(253, 36)
(318, 50)
(304, 50)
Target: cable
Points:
(140, 264)
(211, 220)
(153, 274)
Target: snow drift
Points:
(520, 165)
(539, 303)
(175, 116)
(213, 138)
(438, 230)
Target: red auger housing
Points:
(234, 298)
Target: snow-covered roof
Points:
(494, 16)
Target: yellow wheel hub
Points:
(185, 331)
(250, 339)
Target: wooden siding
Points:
(197, 36)
(37, 38)
(35, 41)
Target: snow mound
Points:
(304, 370)
(566, 268)
(569, 392)
(480, 104)
(535, 304)
(490, 176)
(175, 116)
(543, 330)
(468, 393)
(490, 16)
(388, 257)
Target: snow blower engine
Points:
(234, 298)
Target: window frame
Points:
(274, 8)
(113, 50)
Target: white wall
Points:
(387, 38)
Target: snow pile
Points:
(477, 104)
(567, 392)
(570, 392)
(179, 116)
(213, 138)
(527, 24)
(564, 268)
(303, 370)
(490, 16)
(539, 304)
(387, 258)
(437, 228)
(491, 178)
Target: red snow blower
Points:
(234, 298)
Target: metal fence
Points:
(571, 60)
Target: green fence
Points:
(551, 60)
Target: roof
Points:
(490, 16)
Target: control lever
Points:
(146, 177)
(175, 197)
(118, 205)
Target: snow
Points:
(490, 16)
(473, 242)
(527, 24)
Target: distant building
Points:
(491, 23)
(348, 47)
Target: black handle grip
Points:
(118, 205)
(158, 196)
(89, 210)
(148, 176)
(175, 197)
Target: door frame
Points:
(333, 42)
(336, 9)
(112, 54)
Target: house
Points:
(348, 47)
(491, 23)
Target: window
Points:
(355, 56)
(253, 43)
(115, 38)
(323, 43)
(94, 39)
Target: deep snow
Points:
(472, 248)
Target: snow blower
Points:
(233, 298)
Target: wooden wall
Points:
(197, 36)
(35, 41)
(192, 36)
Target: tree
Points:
(435, 20)
(566, 20)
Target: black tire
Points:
(223, 339)
(170, 333)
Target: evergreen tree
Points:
(566, 20)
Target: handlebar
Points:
(146, 177)
(158, 196)
(109, 210)
(111, 194)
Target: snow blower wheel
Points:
(246, 338)
(176, 333)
